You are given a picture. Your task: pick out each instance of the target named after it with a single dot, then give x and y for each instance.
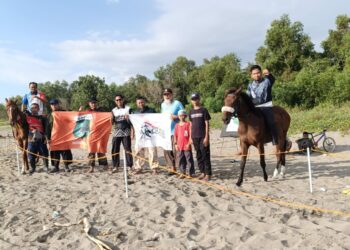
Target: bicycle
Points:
(310, 140)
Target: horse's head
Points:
(12, 111)
(231, 104)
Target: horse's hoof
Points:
(265, 179)
(275, 173)
(238, 184)
(283, 171)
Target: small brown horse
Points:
(253, 130)
(20, 129)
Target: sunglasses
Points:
(118, 100)
(167, 94)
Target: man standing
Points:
(260, 91)
(37, 137)
(171, 107)
(199, 118)
(123, 132)
(152, 151)
(36, 95)
(102, 159)
(56, 155)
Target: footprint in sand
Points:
(165, 213)
(247, 233)
(202, 194)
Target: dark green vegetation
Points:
(314, 86)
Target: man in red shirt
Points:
(182, 139)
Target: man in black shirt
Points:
(199, 118)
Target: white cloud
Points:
(196, 29)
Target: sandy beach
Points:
(165, 212)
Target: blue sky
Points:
(47, 40)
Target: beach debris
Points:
(155, 237)
(55, 215)
(191, 245)
(87, 226)
(323, 189)
(346, 191)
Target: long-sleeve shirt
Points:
(261, 91)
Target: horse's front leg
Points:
(25, 156)
(279, 161)
(244, 149)
(262, 159)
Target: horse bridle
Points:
(236, 105)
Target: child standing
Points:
(182, 139)
(199, 118)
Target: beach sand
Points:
(165, 212)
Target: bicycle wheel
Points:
(329, 144)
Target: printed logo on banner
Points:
(82, 126)
(148, 130)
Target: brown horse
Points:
(253, 130)
(20, 129)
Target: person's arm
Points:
(24, 103)
(178, 108)
(189, 136)
(206, 137)
(175, 138)
(269, 76)
(248, 91)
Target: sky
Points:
(47, 40)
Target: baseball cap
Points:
(195, 96)
(167, 90)
(54, 101)
(93, 99)
(34, 102)
(182, 112)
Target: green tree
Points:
(177, 77)
(87, 87)
(285, 49)
(337, 45)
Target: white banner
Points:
(233, 125)
(152, 130)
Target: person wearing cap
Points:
(37, 136)
(102, 159)
(142, 108)
(171, 107)
(34, 95)
(56, 155)
(182, 141)
(123, 132)
(199, 118)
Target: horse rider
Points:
(34, 95)
(37, 136)
(260, 92)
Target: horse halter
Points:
(235, 105)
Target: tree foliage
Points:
(305, 78)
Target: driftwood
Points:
(87, 226)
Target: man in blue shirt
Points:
(34, 96)
(171, 107)
(260, 92)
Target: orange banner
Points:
(87, 130)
